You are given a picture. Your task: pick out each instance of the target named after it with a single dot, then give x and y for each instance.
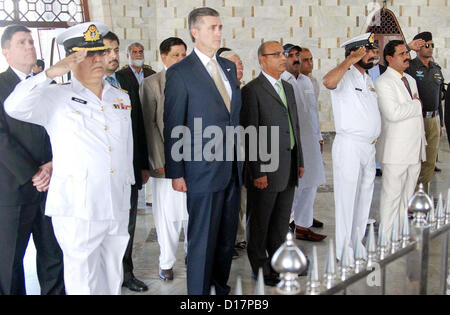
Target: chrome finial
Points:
(382, 243)
(259, 290)
(330, 276)
(238, 290)
(360, 253)
(447, 211)
(371, 247)
(346, 268)
(395, 239)
(289, 261)
(420, 204)
(440, 212)
(432, 215)
(405, 230)
(314, 285)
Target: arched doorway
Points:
(386, 28)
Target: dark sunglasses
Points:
(428, 45)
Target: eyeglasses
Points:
(277, 54)
(428, 45)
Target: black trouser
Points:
(268, 215)
(16, 225)
(127, 258)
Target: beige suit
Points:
(151, 93)
(169, 206)
(401, 146)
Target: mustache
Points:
(407, 60)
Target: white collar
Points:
(204, 58)
(271, 79)
(22, 76)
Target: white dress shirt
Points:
(205, 61)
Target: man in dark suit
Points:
(269, 101)
(25, 171)
(202, 92)
(125, 79)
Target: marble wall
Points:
(321, 25)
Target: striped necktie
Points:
(113, 81)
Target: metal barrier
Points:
(411, 242)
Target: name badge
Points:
(79, 100)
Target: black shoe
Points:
(317, 224)
(379, 172)
(235, 254)
(166, 274)
(292, 227)
(135, 285)
(437, 169)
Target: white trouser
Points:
(170, 214)
(303, 206)
(93, 253)
(399, 182)
(353, 177)
(148, 193)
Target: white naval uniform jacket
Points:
(355, 107)
(92, 145)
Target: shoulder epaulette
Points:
(119, 88)
(64, 83)
(148, 67)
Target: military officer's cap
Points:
(426, 36)
(287, 48)
(365, 40)
(85, 36)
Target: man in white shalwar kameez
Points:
(307, 109)
(169, 206)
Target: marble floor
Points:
(146, 249)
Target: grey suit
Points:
(151, 93)
(268, 210)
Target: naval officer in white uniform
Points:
(89, 125)
(358, 125)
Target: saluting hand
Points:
(416, 44)
(67, 64)
(358, 54)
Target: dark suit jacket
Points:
(191, 93)
(262, 106)
(23, 148)
(129, 83)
